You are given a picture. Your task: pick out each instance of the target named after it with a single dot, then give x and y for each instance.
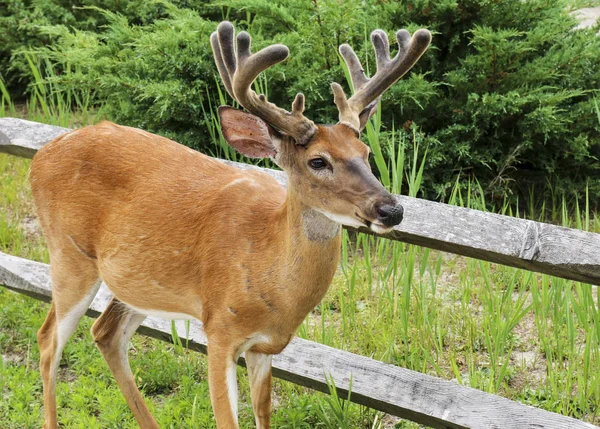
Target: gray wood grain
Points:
(408, 394)
(562, 252)
(23, 138)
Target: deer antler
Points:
(356, 111)
(239, 68)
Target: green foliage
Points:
(504, 95)
(22, 22)
(154, 77)
(518, 106)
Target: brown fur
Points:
(170, 229)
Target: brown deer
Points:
(176, 234)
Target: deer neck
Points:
(310, 255)
(308, 226)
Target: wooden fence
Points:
(562, 252)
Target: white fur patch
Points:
(262, 366)
(232, 390)
(380, 229)
(67, 325)
(356, 223)
(254, 340)
(162, 314)
(319, 227)
(344, 220)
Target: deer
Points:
(179, 235)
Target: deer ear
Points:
(248, 134)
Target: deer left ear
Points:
(248, 134)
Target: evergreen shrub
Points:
(505, 95)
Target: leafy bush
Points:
(504, 95)
(152, 76)
(515, 102)
(22, 22)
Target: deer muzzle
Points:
(389, 214)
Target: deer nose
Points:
(390, 214)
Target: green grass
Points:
(526, 336)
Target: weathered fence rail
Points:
(408, 394)
(535, 246)
(422, 398)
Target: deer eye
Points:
(317, 163)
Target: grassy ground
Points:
(529, 337)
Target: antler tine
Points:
(357, 109)
(223, 37)
(389, 71)
(238, 71)
(357, 74)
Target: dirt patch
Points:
(13, 358)
(31, 226)
(66, 375)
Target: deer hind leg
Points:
(259, 371)
(112, 332)
(222, 383)
(74, 285)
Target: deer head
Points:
(327, 165)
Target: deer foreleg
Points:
(222, 382)
(259, 371)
